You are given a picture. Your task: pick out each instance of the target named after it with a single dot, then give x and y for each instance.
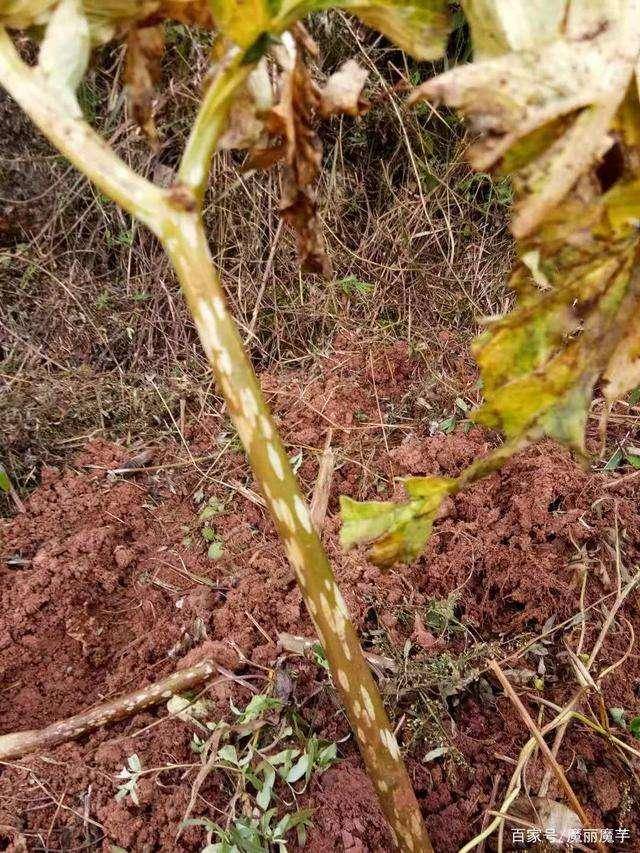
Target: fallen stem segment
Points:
(176, 220)
(17, 744)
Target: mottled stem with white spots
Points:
(17, 744)
(187, 246)
(174, 216)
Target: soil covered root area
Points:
(111, 582)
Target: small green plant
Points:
(353, 286)
(131, 773)
(255, 834)
(213, 540)
(259, 751)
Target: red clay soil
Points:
(109, 597)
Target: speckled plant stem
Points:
(17, 744)
(174, 216)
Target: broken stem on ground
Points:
(174, 215)
(17, 744)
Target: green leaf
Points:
(215, 550)
(228, 753)
(398, 532)
(212, 508)
(5, 482)
(618, 717)
(327, 755)
(258, 705)
(614, 461)
(134, 763)
(634, 726)
(299, 769)
(633, 459)
(263, 797)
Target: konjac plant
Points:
(552, 101)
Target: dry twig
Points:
(17, 744)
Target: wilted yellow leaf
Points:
(582, 73)
(398, 532)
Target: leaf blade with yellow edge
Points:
(396, 532)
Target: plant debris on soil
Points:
(108, 584)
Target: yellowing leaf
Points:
(499, 26)
(419, 27)
(398, 532)
(582, 73)
(244, 21)
(540, 363)
(547, 98)
(20, 14)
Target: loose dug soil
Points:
(115, 590)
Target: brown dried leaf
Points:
(145, 49)
(342, 93)
(291, 126)
(299, 209)
(245, 128)
(190, 12)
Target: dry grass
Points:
(88, 306)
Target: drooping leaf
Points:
(540, 363)
(419, 27)
(145, 49)
(398, 532)
(551, 96)
(499, 27)
(581, 72)
(290, 126)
